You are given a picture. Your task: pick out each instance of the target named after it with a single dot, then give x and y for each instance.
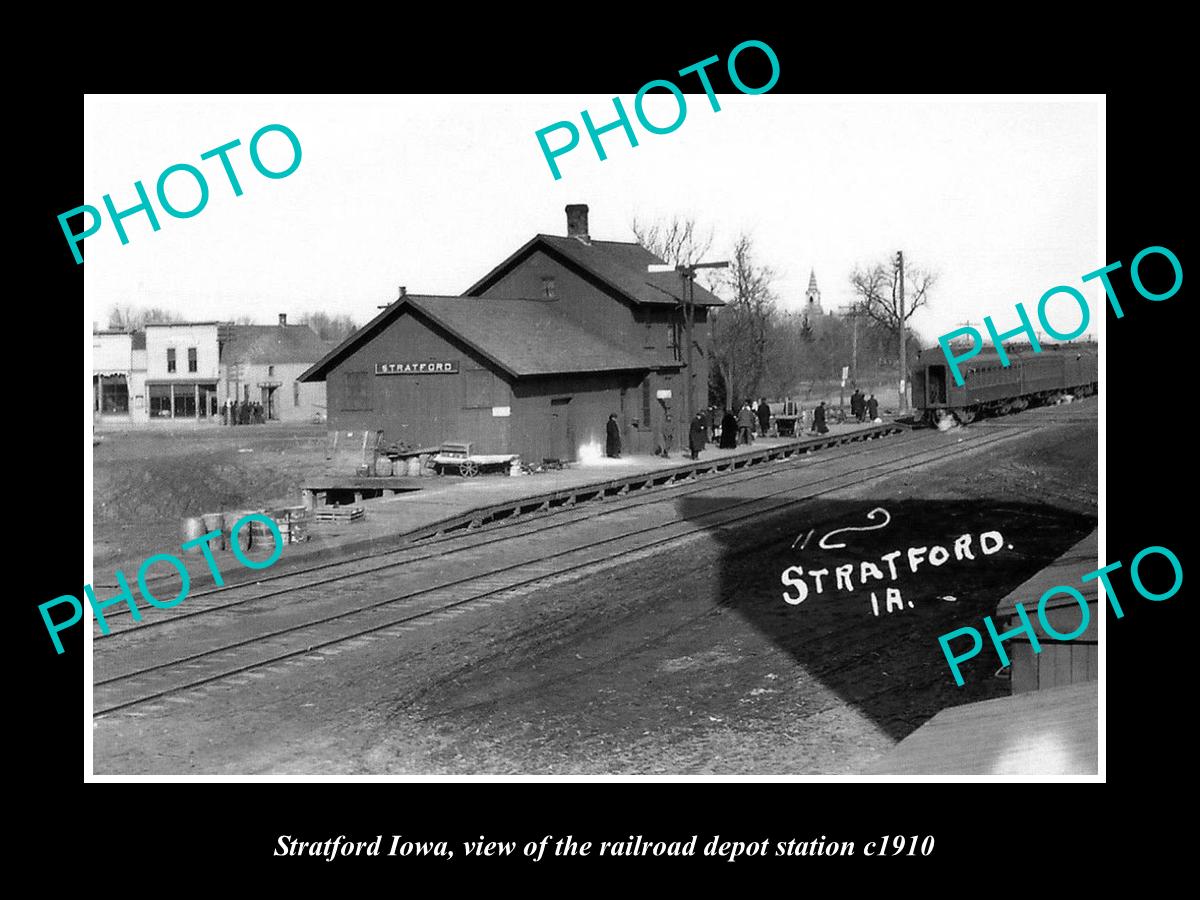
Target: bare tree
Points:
(678, 241)
(330, 328)
(889, 294)
(740, 330)
(126, 317)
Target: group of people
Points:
(863, 408)
(740, 429)
(663, 435)
(246, 413)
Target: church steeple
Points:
(812, 297)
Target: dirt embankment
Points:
(146, 483)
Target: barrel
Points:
(193, 527)
(243, 537)
(414, 466)
(262, 537)
(383, 466)
(215, 522)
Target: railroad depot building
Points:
(532, 359)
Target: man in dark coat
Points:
(856, 405)
(728, 431)
(872, 408)
(764, 417)
(697, 435)
(613, 441)
(819, 425)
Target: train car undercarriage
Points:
(965, 415)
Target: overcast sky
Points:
(999, 197)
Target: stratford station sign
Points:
(417, 368)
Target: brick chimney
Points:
(577, 221)
(283, 318)
(403, 292)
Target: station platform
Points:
(427, 506)
(1049, 726)
(1048, 732)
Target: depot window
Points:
(191, 359)
(357, 395)
(170, 359)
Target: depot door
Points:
(562, 429)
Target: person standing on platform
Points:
(872, 408)
(764, 417)
(613, 439)
(729, 429)
(746, 422)
(819, 425)
(662, 440)
(697, 435)
(225, 412)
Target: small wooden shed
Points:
(1059, 662)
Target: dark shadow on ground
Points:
(889, 665)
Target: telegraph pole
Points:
(903, 349)
(688, 275)
(852, 312)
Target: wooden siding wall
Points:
(579, 299)
(626, 326)
(1059, 662)
(423, 410)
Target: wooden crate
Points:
(337, 513)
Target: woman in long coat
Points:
(613, 442)
(697, 435)
(819, 425)
(729, 429)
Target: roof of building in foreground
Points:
(522, 337)
(620, 266)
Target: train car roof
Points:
(934, 356)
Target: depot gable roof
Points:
(521, 337)
(620, 266)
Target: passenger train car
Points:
(990, 388)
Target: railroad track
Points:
(121, 622)
(225, 660)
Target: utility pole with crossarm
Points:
(688, 275)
